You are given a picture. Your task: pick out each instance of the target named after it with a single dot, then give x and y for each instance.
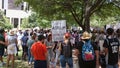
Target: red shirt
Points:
(39, 50)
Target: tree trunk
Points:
(86, 24)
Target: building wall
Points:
(5, 4)
(11, 5)
(0, 4)
(13, 12)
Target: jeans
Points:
(30, 57)
(112, 66)
(64, 60)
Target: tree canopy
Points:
(79, 11)
(4, 23)
(34, 21)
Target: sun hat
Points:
(86, 35)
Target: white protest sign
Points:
(58, 30)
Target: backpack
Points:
(24, 40)
(88, 53)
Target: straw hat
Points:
(86, 35)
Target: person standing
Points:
(87, 52)
(24, 40)
(118, 34)
(2, 45)
(19, 36)
(11, 48)
(29, 44)
(66, 52)
(49, 45)
(111, 48)
(100, 40)
(39, 52)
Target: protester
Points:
(2, 45)
(19, 37)
(118, 34)
(49, 45)
(56, 53)
(29, 44)
(24, 40)
(100, 40)
(111, 45)
(11, 48)
(87, 52)
(66, 52)
(94, 36)
(39, 52)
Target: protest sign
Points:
(58, 30)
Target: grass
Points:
(18, 63)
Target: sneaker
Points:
(29, 63)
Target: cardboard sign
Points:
(58, 30)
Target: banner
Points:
(58, 30)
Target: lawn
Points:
(18, 63)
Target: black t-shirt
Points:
(79, 47)
(113, 48)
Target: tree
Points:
(80, 10)
(34, 21)
(4, 23)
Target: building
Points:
(13, 12)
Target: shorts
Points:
(1, 51)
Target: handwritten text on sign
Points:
(58, 30)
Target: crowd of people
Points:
(98, 48)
